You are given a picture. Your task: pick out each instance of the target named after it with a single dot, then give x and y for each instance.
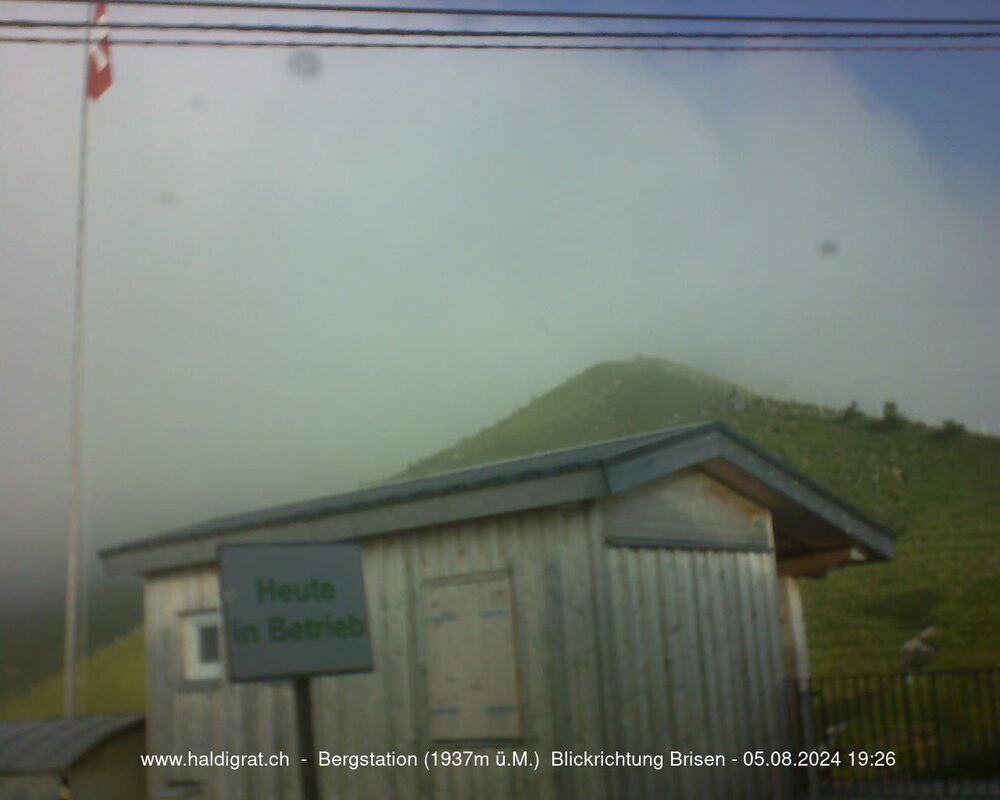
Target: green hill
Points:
(939, 488)
(110, 680)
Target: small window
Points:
(208, 644)
(202, 657)
(472, 687)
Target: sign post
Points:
(291, 611)
(304, 732)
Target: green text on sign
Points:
(293, 610)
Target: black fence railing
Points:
(935, 734)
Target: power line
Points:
(355, 45)
(536, 13)
(505, 34)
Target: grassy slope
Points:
(112, 679)
(942, 495)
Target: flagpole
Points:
(73, 536)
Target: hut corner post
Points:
(307, 745)
(793, 630)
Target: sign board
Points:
(293, 610)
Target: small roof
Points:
(602, 469)
(53, 745)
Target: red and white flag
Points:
(98, 55)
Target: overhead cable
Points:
(367, 45)
(536, 13)
(319, 30)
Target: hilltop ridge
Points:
(606, 401)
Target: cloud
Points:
(356, 269)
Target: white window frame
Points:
(192, 667)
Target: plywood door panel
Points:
(472, 686)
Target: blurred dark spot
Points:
(197, 103)
(828, 247)
(305, 63)
(166, 199)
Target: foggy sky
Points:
(296, 283)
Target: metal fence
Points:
(935, 734)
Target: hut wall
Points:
(694, 638)
(112, 771)
(644, 649)
(548, 557)
(29, 787)
(211, 717)
(695, 667)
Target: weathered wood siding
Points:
(555, 644)
(696, 666)
(694, 636)
(639, 649)
(182, 718)
(689, 509)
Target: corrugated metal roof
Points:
(52, 745)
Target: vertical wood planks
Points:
(582, 679)
(777, 670)
(755, 734)
(635, 649)
(693, 661)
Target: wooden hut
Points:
(80, 758)
(617, 601)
